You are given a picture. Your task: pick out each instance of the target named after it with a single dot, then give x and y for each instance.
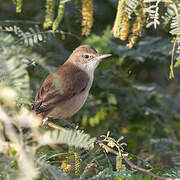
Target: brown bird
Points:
(75, 78)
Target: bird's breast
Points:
(69, 107)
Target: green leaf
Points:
(173, 173)
(74, 138)
(177, 64)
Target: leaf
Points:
(13, 71)
(108, 173)
(175, 25)
(173, 173)
(151, 48)
(100, 43)
(74, 138)
(56, 172)
(177, 64)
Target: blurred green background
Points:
(131, 95)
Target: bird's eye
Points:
(86, 56)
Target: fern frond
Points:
(107, 173)
(175, 25)
(14, 61)
(31, 37)
(13, 70)
(153, 12)
(49, 13)
(149, 1)
(131, 6)
(173, 173)
(35, 36)
(74, 138)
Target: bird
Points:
(64, 92)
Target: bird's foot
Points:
(44, 121)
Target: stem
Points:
(171, 74)
(131, 164)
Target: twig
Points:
(131, 164)
(171, 74)
(141, 169)
(107, 148)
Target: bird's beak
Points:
(101, 56)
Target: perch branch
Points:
(131, 164)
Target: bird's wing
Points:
(73, 83)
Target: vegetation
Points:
(129, 127)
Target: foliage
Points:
(147, 14)
(14, 60)
(159, 51)
(59, 16)
(173, 172)
(22, 154)
(100, 43)
(131, 94)
(31, 37)
(70, 137)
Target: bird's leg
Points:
(44, 121)
(55, 126)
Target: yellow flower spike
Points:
(111, 144)
(59, 16)
(65, 166)
(125, 27)
(77, 164)
(118, 21)
(19, 4)
(137, 28)
(87, 16)
(49, 13)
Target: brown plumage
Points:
(75, 77)
(49, 96)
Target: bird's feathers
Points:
(71, 78)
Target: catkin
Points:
(65, 166)
(77, 164)
(87, 16)
(19, 4)
(59, 16)
(49, 13)
(137, 28)
(118, 21)
(125, 27)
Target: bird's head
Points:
(86, 57)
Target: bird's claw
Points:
(44, 121)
